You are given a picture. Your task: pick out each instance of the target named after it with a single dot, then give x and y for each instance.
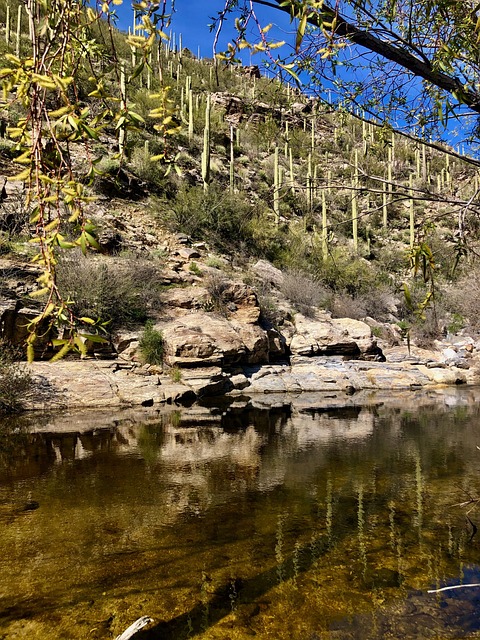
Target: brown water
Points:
(294, 522)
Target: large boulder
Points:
(268, 273)
(323, 335)
(202, 339)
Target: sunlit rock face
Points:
(323, 335)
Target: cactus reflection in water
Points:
(282, 523)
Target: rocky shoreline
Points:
(111, 383)
(217, 342)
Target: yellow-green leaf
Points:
(30, 353)
(62, 353)
(39, 292)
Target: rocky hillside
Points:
(286, 269)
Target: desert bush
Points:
(303, 292)
(345, 272)
(14, 215)
(425, 331)
(118, 293)
(344, 306)
(216, 284)
(152, 172)
(270, 314)
(462, 298)
(16, 384)
(379, 303)
(151, 344)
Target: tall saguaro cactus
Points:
(411, 211)
(19, 30)
(232, 159)
(206, 146)
(7, 25)
(355, 203)
(276, 186)
(324, 227)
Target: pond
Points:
(312, 518)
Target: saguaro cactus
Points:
(324, 227)
(7, 25)
(190, 114)
(309, 193)
(206, 146)
(232, 159)
(290, 170)
(276, 186)
(355, 203)
(19, 30)
(411, 208)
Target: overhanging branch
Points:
(396, 54)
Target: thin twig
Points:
(455, 586)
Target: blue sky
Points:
(193, 17)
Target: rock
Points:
(449, 354)
(8, 314)
(14, 321)
(450, 376)
(239, 381)
(322, 335)
(268, 273)
(111, 241)
(170, 276)
(150, 239)
(255, 340)
(123, 340)
(243, 302)
(185, 297)
(89, 383)
(188, 254)
(209, 381)
(200, 336)
(276, 343)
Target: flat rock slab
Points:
(90, 383)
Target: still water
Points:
(311, 519)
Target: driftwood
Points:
(455, 586)
(133, 628)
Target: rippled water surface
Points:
(310, 520)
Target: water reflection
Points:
(307, 520)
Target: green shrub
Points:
(229, 222)
(175, 374)
(195, 269)
(151, 344)
(346, 273)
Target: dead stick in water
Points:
(455, 586)
(133, 628)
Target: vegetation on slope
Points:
(256, 170)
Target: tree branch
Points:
(394, 53)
